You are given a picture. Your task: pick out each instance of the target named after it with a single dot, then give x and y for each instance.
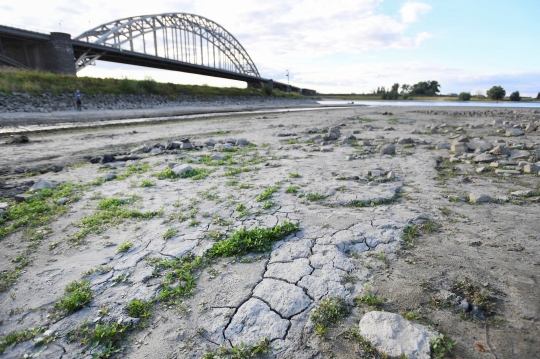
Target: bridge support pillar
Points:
(254, 84)
(57, 55)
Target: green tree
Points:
(465, 96)
(496, 93)
(538, 96)
(514, 96)
(395, 87)
(405, 88)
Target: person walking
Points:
(78, 99)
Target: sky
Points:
(346, 46)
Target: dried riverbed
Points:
(184, 237)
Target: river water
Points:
(411, 103)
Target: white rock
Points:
(513, 132)
(391, 175)
(181, 168)
(396, 336)
(388, 149)
(519, 154)
(480, 198)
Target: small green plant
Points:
(107, 337)
(169, 233)
(267, 194)
(139, 309)
(441, 346)
(194, 174)
(241, 351)
(294, 175)
(240, 207)
(258, 239)
(292, 189)
(268, 205)
(147, 183)
(193, 223)
(77, 295)
(124, 246)
(366, 349)
(329, 313)
(14, 338)
(315, 197)
(371, 299)
(470, 291)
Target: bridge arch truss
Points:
(182, 37)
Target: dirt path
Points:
(393, 232)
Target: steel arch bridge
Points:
(187, 38)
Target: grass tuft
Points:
(329, 313)
(77, 295)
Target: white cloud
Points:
(411, 11)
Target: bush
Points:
(464, 96)
(496, 93)
(267, 89)
(514, 96)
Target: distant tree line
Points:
(432, 88)
(423, 88)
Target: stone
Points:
(507, 172)
(521, 193)
(42, 185)
(210, 142)
(443, 146)
(232, 141)
(415, 131)
(459, 147)
(242, 142)
(254, 320)
(530, 128)
(480, 198)
(284, 298)
(388, 149)
(391, 175)
(181, 168)
(108, 177)
(484, 157)
(534, 169)
(141, 149)
(519, 155)
(218, 157)
(394, 335)
(404, 140)
(186, 146)
(389, 129)
(481, 170)
(22, 197)
(499, 151)
(156, 151)
(62, 201)
(513, 132)
(479, 145)
(461, 139)
(4, 205)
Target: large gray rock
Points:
(389, 149)
(141, 149)
(404, 140)
(242, 142)
(396, 336)
(459, 147)
(512, 132)
(42, 185)
(531, 169)
(499, 151)
(218, 157)
(519, 154)
(181, 169)
(484, 157)
(480, 198)
(479, 145)
(254, 320)
(443, 146)
(284, 298)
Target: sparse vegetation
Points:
(105, 338)
(329, 313)
(267, 194)
(169, 233)
(411, 232)
(77, 295)
(470, 291)
(14, 338)
(442, 346)
(147, 183)
(294, 175)
(139, 309)
(240, 352)
(315, 196)
(125, 246)
(194, 174)
(371, 299)
(292, 189)
(245, 241)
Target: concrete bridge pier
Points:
(57, 55)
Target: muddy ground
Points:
(398, 227)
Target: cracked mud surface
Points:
(350, 242)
